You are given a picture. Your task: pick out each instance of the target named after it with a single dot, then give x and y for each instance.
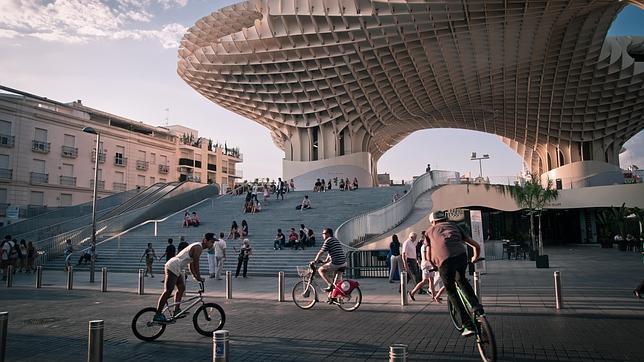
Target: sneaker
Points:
(160, 318)
(328, 288)
(637, 294)
(411, 296)
(467, 332)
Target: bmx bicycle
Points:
(345, 294)
(482, 330)
(208, 318)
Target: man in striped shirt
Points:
(334, 261)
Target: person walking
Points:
(212, 261)
(396, 259)
(280, 188)
(31, 256)
(170, 252)
(220, 256)
(427, 269)
(409, 258)
(244, 254)
(149, 260)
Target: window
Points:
(120, 151)
(152, 180)
(3, 196)
(65, 200)
(67, 170)
(164, 159)
(119, 176)
(5, 127)
(140, 180)
(153, 158)
(69, 140)
(141, 155)
(37, 198)
(4, 161)
(39, 166)
(162, 180)
(40, 135)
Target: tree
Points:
(533, 197)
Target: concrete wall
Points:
(304, 174)
(585, 174)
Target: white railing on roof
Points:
(355, 230)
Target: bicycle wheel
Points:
(304, 295)
(208, 318)
(351, 302)
(485, 340)
(143, 326)
(455, 316)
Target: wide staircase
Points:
(330, 209)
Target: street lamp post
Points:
(480, 159)
(95, 191)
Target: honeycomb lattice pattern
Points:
(540, 74)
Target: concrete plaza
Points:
(601, 319)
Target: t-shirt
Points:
(409, 248)
(170, 251)
(306, 203)
(446, 241)
(334, 248)
(394, 248)
(149, 254)
(6, 250)
(220, 247)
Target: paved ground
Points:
(602, 321)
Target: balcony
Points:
(100, 186)
(7, 141)
(68, 181)
(101, 156)
(184, 169)
(164, 168)
(142, 165)
(193, 178)
(120, 161)
(38, 178)
(69, 152)
(6, 174)
(119, 186)
(40, 146)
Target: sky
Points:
(120, 56)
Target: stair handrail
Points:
(379, 221)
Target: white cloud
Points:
(81, 21)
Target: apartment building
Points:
(47, 161)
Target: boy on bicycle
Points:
(189, 256)
(448, 253)
(335, 260)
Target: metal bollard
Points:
(558, 296)
(104, 279)
(95, 341)
(141, 282)
(39, 277)
(398, 352)
(220, 346)
(4, 320)
(403, 288)
(280, 286)
(477, 284)
(229, 285)
(10, 276)
(70, 278)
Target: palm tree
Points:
(533, 196)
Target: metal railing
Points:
(142, 165)
(6, 174)
(101, 156)
(68, 151)
(119, 186)
(7, 140)
(164, 168)
(55, 218)
(354, 231)
(40, 146)
(67, 181)
(100, 186)
(38, 178)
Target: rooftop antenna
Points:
(167, 114)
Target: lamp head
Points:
(486, 156)
(89, 130)
(473, 155)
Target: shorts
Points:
(333, 267)
(427, 269)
